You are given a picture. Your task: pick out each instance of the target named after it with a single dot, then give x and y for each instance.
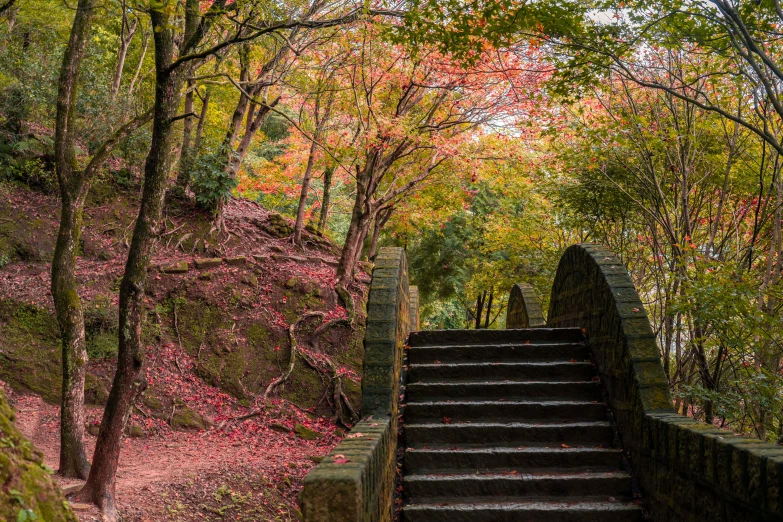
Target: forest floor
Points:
(215, 338)
(251, 472)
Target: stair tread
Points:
(499, 344)
(553, 504)
(521, 475)
(492, 382)
(511, 402)
(488, 416)
(505, 449)
(490, 424)
(474, 364)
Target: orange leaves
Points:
(340, 459)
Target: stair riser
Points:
(434, 490)
(533, 335)
(587, 391)
(504, 371)
(442, 514)
(506, 412)
(507, 436)
(421, 461)
(490, 353)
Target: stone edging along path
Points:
(356, 481)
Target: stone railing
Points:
(524, 309)
(355, 482)
(414, 307)
(688, 471)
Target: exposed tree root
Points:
(345, 413)
(346, 299)
(294, 350)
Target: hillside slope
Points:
(218, 310)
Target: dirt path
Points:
(191, 465)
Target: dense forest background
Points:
(483, 137)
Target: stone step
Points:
(516, 484)
(507, 389)
(467, 410)
(511, 434)
(520, 336)
(531, 371)
(571, 509)
(498, 352)
(456, 458)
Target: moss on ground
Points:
(30, 355)
(186, 419)
(27, 484)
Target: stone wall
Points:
(524, 309)
(414, 307)
(688, 471)
(355, 482)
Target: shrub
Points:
(101, 328)
(210, 182)
(33, 173)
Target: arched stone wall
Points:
(414, 308)
(524, 309)
(688, 471)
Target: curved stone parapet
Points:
(414, 308)
(688, 471)
(355, 482)
(524, 309)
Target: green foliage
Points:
(32, 172)
(464, 28)
(29, 491)
(101, 328)
(210, 181)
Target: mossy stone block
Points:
(303, 432)
(186, 419)
(180, 267)
(207, 262)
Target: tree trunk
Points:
(68, 306)
(345, 270)
(70, 317)
(145, 39)
(242, 105)
(360, 217)
(489, 306)
(183, 176)
(325, 201)
(479, 308)
(122, 53)
(300, 211)
(254, 121)
(380, 221)
(200, 127)
(128, 378)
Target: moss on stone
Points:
(200, 324)
(27, 484)
(152, 402)
(96, 390)
(31, 355)
(186, 419)
(303, 432)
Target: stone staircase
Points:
(508, 425)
